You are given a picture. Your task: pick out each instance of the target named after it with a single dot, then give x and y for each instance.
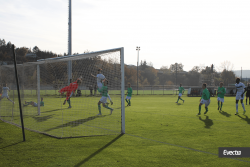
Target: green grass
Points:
(111, 92)
(159, 132)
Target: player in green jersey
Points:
(129, 94)
(34, 104)
(181, 91)
(221, 93)
(103, 100)
(205, 99)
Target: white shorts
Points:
(180, 94)
(103, 99)
(220, 99)
(238, 96)
(206, 102)
(99, 85)
(35, 104)
(4, 95)
(128, 97)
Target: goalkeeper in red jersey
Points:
(70, 90)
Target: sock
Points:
(236, 107)
(199, 109)
(243, 106)
(109, 98)
(246, 101)
(218, 104)
(221, 105)
(99, 108)
(108, 107)
(181, 99)
(206, 109)
(178, 99)
(69, 102)
(127, 100)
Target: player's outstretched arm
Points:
(93, 75)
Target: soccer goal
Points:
(64, 114)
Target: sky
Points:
(191, 32)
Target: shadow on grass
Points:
(51, 110)
(76, 122)
(41, 119)
(11, 145)
(178, 104)
(225, 113)
(208, 122)
(245, 119)
(98, 151)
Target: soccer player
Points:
(181, 90)
(240, 90)
(103, 100)
(70, 90)
(205, 99)
(129, 94)
(5, 90)
(101, 77)
(34, 104)
(221, 93)
(248, 93)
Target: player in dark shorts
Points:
(248, 93)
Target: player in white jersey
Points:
(240, 90)
(100, 77)
(5, 93)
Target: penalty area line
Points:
(184, 147)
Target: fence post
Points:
(163, 89)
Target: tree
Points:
(176, 67)
(21, 52)
(9, 44)
(165, 69)
(131, 75)
(87, 51)
(196, 69)
(2, 42)
(169, 83)
(228, 77)
(226, 65)
(143, 65)
(35, 49)
(150, 64)
(151, 74)
(193, 77)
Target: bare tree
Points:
(164, 69)
(177, 67)
(150, 64)
(196, 69)
(226, 65)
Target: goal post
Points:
(38, 89)
(80, 114)
(122, 93)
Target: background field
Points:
(159, 132)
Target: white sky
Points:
(191, 32)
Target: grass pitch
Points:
(159, 132)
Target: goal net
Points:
(43, 105)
